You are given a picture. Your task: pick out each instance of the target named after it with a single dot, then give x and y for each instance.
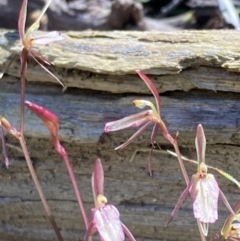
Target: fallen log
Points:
(98, 69)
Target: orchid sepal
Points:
(134, 120)
(151, 87)
(48, 38)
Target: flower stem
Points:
(173, 141)
(38, 187)
(23, 59)
(75, 185)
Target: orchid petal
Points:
(108, 223)
(32, 28)
(89, 232)
(22, 21)
(44, 10)
(143, 103)
(98, 180)
(226, 175)
(49, 72)
(225, 201)
(151, 87)
(134, 120)
(38, 55)
(128, 233)
(36, 24)
(177, 206)
(134, 136)
(48, 38)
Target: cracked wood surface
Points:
(145, 203)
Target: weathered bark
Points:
(106, 61)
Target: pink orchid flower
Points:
(203, 190)
(28, 41)
(105, 217)
(145, 119)
(142, 119)
(231, 227)
(51, 121)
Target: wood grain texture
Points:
(107, 61)
(145, 203)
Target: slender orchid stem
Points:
(39, 188)
(64, 154)
(180, 161)
(128, 233)
(76, 189)
(173, 141)
(4, 146)
(23, 59)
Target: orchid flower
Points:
(51, 121)
(7, 125)
(231, 227)
(203, 190)
(143, 120)
(27, 41)
(231, 232)
(105, 217)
